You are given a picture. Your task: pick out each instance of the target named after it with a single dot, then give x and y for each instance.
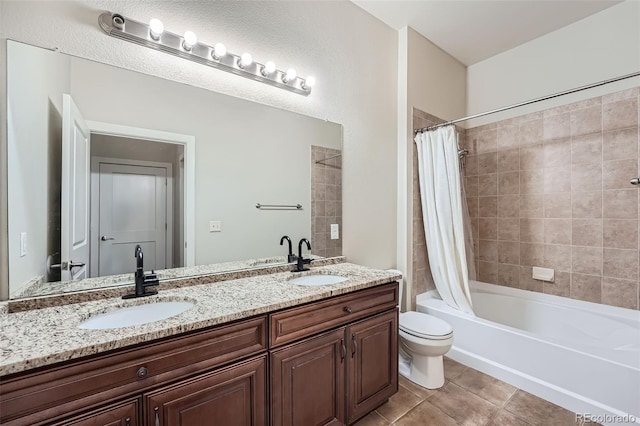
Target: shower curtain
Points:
(442, 207)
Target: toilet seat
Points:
(424, 326)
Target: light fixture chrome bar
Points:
(124, 28)
(278, 206)
(532, 101)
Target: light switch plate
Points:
(215, 226)
(23, 244)
(335, 231)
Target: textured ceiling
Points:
(474, 30)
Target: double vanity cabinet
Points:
(328, 362)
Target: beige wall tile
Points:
(509, 252)
(509, 160)
(488, 251)
(621, 234)
(586, 204)
(488, 206)
(620, 204)
(618, 292)
(532, 181)
(620, 144)
(623, 94)
(616, 173)
(488, 228)
(586, 148)
(486, 141)
(531, 254)
(557, 231)
(488, 272)
(526, 281)
(556, 126)
(557, 153)
(508, 275)
(531, 132)
(488, 184)
(620, 263)
(471, 165)
(561, 286)
(532, 157)
(586, 287)
(473, 206)
(507, 137)
(509, 183)
(587, 232)
(508, 229)
(531, 205)
(509, 206)
(532, 230)
(557, 257)
(587, 120)
(557, 205)
(586, 177)
(620, 114)
(586, 260)
(557, 179)
(488, 163)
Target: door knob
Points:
(105, 238)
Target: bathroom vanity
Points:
(323, 355)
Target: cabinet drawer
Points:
(46, 395)
(295, 323)
(125, 413)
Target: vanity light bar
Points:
(188, 47)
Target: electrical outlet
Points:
(215, 226)
(23, 244)
(335, 231)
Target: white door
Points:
(75, 192)
(133, 210)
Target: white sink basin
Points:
(135, 315)
(312, 280)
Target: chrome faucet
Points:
(301, 261)
(290, 257)
(142, 281)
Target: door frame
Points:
(188, 143)
(95, 207)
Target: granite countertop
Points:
(36, 338)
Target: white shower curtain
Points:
(442, 207)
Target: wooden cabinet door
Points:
(232, 396)
(123, 414)
(372, 370)
(307, 382)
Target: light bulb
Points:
(291, 75)
(219, 50)
(156, 28)
(309, 82)
(268, 68)
(190, 39)
(245, 60)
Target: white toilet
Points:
(424, 339)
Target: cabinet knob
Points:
(142, 373)
(347, 309)
(127, 421)
(354, 345)
(157, 417)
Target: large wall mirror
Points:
(102, 159)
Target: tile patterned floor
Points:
(468, 398)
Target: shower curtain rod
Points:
(533, 101)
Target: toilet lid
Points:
(424, 325)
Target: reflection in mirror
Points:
(102, 159)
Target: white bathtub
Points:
(582, 356)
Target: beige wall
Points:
(599, 47)
(433, 82)
(345, 41)
(551, 189)
(34, 126)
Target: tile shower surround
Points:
(552, 189)
(326, 207)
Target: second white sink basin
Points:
(135, 315)
(312, 280)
